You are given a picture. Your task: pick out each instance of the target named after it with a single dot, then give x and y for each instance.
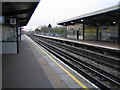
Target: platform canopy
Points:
(22, 11)
(105, 16)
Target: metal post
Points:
(118, 23)
(17, 36)
(83, 31)
(20, 33)
(77, 34)
(118, 32)
(97, 32)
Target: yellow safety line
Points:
(73, 77)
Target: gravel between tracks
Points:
(98, 65)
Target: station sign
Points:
(13, 21)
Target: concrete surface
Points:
(32, 68)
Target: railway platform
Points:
(110, 49)
(102, 44)
(105, 44)
(34, 67)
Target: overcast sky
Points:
(53, 11)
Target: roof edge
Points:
(114, 7)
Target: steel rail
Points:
(83, 64)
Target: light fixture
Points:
(82, 20)
(71, 22)
(114, 22)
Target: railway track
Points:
(99, 77)
(101, 59)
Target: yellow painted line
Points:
(73, 77)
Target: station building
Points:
(102, 25)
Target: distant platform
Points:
(102, 44)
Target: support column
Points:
(78, 34)
(83, 31)
(1, 47)
(118, 25)
(97, 32)
(17, 36)
(20, 33)
(119, 32)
